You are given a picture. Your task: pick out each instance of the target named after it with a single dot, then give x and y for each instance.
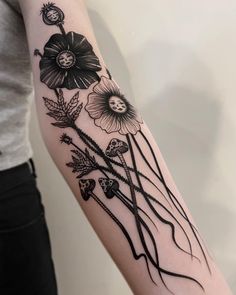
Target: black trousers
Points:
(26, 266)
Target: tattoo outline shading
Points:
(69, 62)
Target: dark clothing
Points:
(26, 266)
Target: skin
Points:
(134, 271)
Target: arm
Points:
(110, 160)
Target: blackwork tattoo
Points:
(111, 110)
(69, 62)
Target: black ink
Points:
(66, 139)
(87, 187)
(81, 164)
(37, 53)
(174, 199)
(147, 196)
(69, 62)
(52, 15)
(110, 110)
(109, 74)
(117, 148)
(144, 194)
(154, 210)
(124, 200)
(109, 186)
(64, 113)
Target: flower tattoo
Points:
(111, 110)
(69, 62)
(52, 15)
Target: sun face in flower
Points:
(69, 62)
(111, 110)
(52, 15)
(117, 104)
(66, 59)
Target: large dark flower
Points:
(111, 110)
(69, 62)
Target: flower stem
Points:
(126, 201)
(62, 29)
(172, 196)
(125, 232)
(172, 226)
(95, 148)
(137, 221)
(92, 145)
(154, 210)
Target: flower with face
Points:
(52, 15)
(111, 110)
(69, 62)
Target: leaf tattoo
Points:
(83, 164)
(69, 62)
(64, 113)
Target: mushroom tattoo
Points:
(116, 148)
(111, 189)
(69, 63)
(86, 188)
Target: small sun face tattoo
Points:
(115, 166)
(52, 15)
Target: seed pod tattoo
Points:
(52, 15)
(69, 62)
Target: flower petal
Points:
(107, 119)
(55, 44)
(108, 122)
(95, 106)
(88, 61)
(79, 79)
(129, 127)
(51, 74)
(78, 43)
(106, 86)
(138, 118)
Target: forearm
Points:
(107, 155)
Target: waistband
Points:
(14, 176)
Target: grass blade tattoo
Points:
(69, 62)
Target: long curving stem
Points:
(154, 210)
(62, 29)
(139, 228)
(125, 232)
(127, 202)
(95, 148)
(172, 196)
(161, 270)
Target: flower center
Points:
(53, 15)
(66, 59)
(117, 104)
